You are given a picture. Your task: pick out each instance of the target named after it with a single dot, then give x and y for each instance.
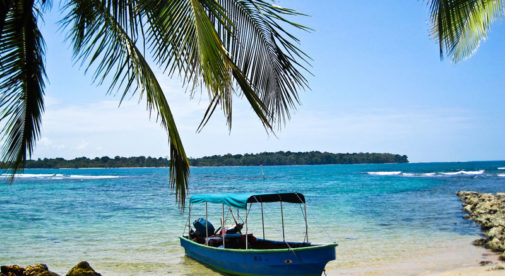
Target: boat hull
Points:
(297, 261)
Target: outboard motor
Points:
(200, 227)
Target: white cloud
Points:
(82, 145)
(105, 128)
(45, 141)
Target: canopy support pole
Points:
(206, 226)
(232, 215)
(189, 221)
(306, 224)
(262, 221)
(222, 228)
(246, 240)
(282, 218)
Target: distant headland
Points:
(248, 159)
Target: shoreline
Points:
(456, 258)
(467, 256)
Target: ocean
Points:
(126, 221)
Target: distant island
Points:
(297, 158)
(253, 159)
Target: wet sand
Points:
(458, 258)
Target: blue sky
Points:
(378, 86)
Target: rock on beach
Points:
(81, 269)
(32, 270)
(488, 210)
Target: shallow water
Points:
(125, 221)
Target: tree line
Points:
(297, 158)
(248, 159)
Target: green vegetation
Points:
(297, 158)
(98, 162)
(264, 158)
(460, 25)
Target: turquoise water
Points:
(125, 221)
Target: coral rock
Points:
(479, 242)
(498, 267)
(39, 270)
(12, 270)
(488, 211)
(83, 269)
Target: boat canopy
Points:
(241, 200)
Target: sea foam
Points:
(385, 173)
(29, 175)
(418, 174)
(57, 176)
(93, 176)
(428, 174)
(464, 172)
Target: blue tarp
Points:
(241, 200)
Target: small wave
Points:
(501, 168)
(428, 174)
(450, 173)
(93, 176)
(57, 176)
(464, 172)
(28, 175)
(501, 175)
(385, 173)
(418, 174)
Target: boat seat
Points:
(214, 241)
(234, 235)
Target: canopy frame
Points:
(240, 201)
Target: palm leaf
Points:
(460, 25)
(22, 77)
(211, 41)
(266, 53)
(5, 6)
(103, 37)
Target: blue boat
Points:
(231, 252)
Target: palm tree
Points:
(460, 25)
(223, 46)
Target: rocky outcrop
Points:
(39, 270)
(33, 270)
(83, 269)
(488, 210)
(12, 270)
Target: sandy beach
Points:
(459, 258)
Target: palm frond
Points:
(266, 53)
(22, 77)
(184, 41)
(231, 46)
(5, 6)
(460, 25)
(102, 36)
